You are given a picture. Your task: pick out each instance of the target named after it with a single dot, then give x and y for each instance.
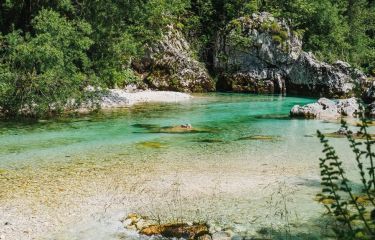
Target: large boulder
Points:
(327, 109)
(312, 77)
(262, 54)
(169, 65)
(370, 110)
(368, 96)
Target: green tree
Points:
(40, 73)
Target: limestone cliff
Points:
(169, 65)
(262, 54)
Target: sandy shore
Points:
(117, 98)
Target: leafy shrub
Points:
(40, 74)
(354, 212)
(238, 38)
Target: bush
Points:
(353, 212)
(40, 74)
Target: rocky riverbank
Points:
(327, 109)
(253, 54)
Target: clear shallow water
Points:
(224, 117)
(245, 154)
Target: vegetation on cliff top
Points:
(51, 49)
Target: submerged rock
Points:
(221, 236)
(148, 227)
(342, 134)
(187, 126)
(210, 140)
(182, 129)
(179, 230)
(261, 54)
(327, 109)
(169, 65)
(151, 144)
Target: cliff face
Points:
(169, 65)
(261, 54)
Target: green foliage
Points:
(353, 213)
(237, 37)
(40, 73)
(333, 30)
(75, 43)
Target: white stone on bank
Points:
(118, 98)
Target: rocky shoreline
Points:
(328, 109)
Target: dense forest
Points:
(50, 50)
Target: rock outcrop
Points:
(169, 65)
(261, 54)
(370, 110)
(327, 109)
(368, 96)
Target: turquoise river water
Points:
(246, 165)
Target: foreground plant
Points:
(353, 212)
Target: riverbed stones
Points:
(221, 236)
(177, 230)
(327, 109)
(205, 237)
(149, 227)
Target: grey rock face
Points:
(369, 94)
(370, 110)
(327, 109)
(308, 75)
(169, 65)
(263, 54)
(348, 107)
